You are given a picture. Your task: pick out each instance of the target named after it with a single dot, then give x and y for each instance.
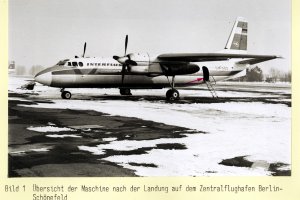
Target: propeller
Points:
(84, 48)
(125, 60)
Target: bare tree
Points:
(274, 74)
(35, 69)
(20, 70)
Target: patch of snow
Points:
(18, 99)
(109, 139)
(93, 150)
(283, 168)
(45, 129)
(86, 126)
(18, 152)
(40, 150)
(63, 136)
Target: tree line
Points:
(274, 75)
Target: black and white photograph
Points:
(137, 88)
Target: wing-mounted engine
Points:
(140, 63)
(172, 69)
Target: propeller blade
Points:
(126, 42)
(84, 48)
(123, 73)
(116, 57)
(130, 62)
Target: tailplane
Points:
(237, 40)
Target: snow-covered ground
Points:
(260, 131)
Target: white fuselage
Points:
(98, 72)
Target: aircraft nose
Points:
(44, 77)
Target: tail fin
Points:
(237, 40)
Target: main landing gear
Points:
(125, 91)
(172, 94)
(65, 94)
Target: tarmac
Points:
(64, 150)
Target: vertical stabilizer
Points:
(237, 40)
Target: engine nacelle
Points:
(144, 65)
(139, 69)
(179, 69)
(142, 60)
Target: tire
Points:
(66, 95)
(125, 91)
(172, 95)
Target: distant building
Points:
(11, 67)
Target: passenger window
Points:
(80, 64)
(74, 64)
(92, 64)
(88, 64)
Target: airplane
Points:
(142, 71)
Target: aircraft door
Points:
(205, 73)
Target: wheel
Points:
(66, 95)
(172, 94)
(125, 91)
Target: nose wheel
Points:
(125, 91)
(66, 94)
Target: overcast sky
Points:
(45, 31)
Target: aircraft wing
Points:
(257, 60)
(203, 57)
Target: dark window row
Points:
(103, 64)
(80, 64)
(75, 64)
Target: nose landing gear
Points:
(65, 94)
(125, 91)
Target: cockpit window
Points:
(74, 64)
(62, 62)
(69, 64)
(80, 64)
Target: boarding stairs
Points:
(211, 88)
